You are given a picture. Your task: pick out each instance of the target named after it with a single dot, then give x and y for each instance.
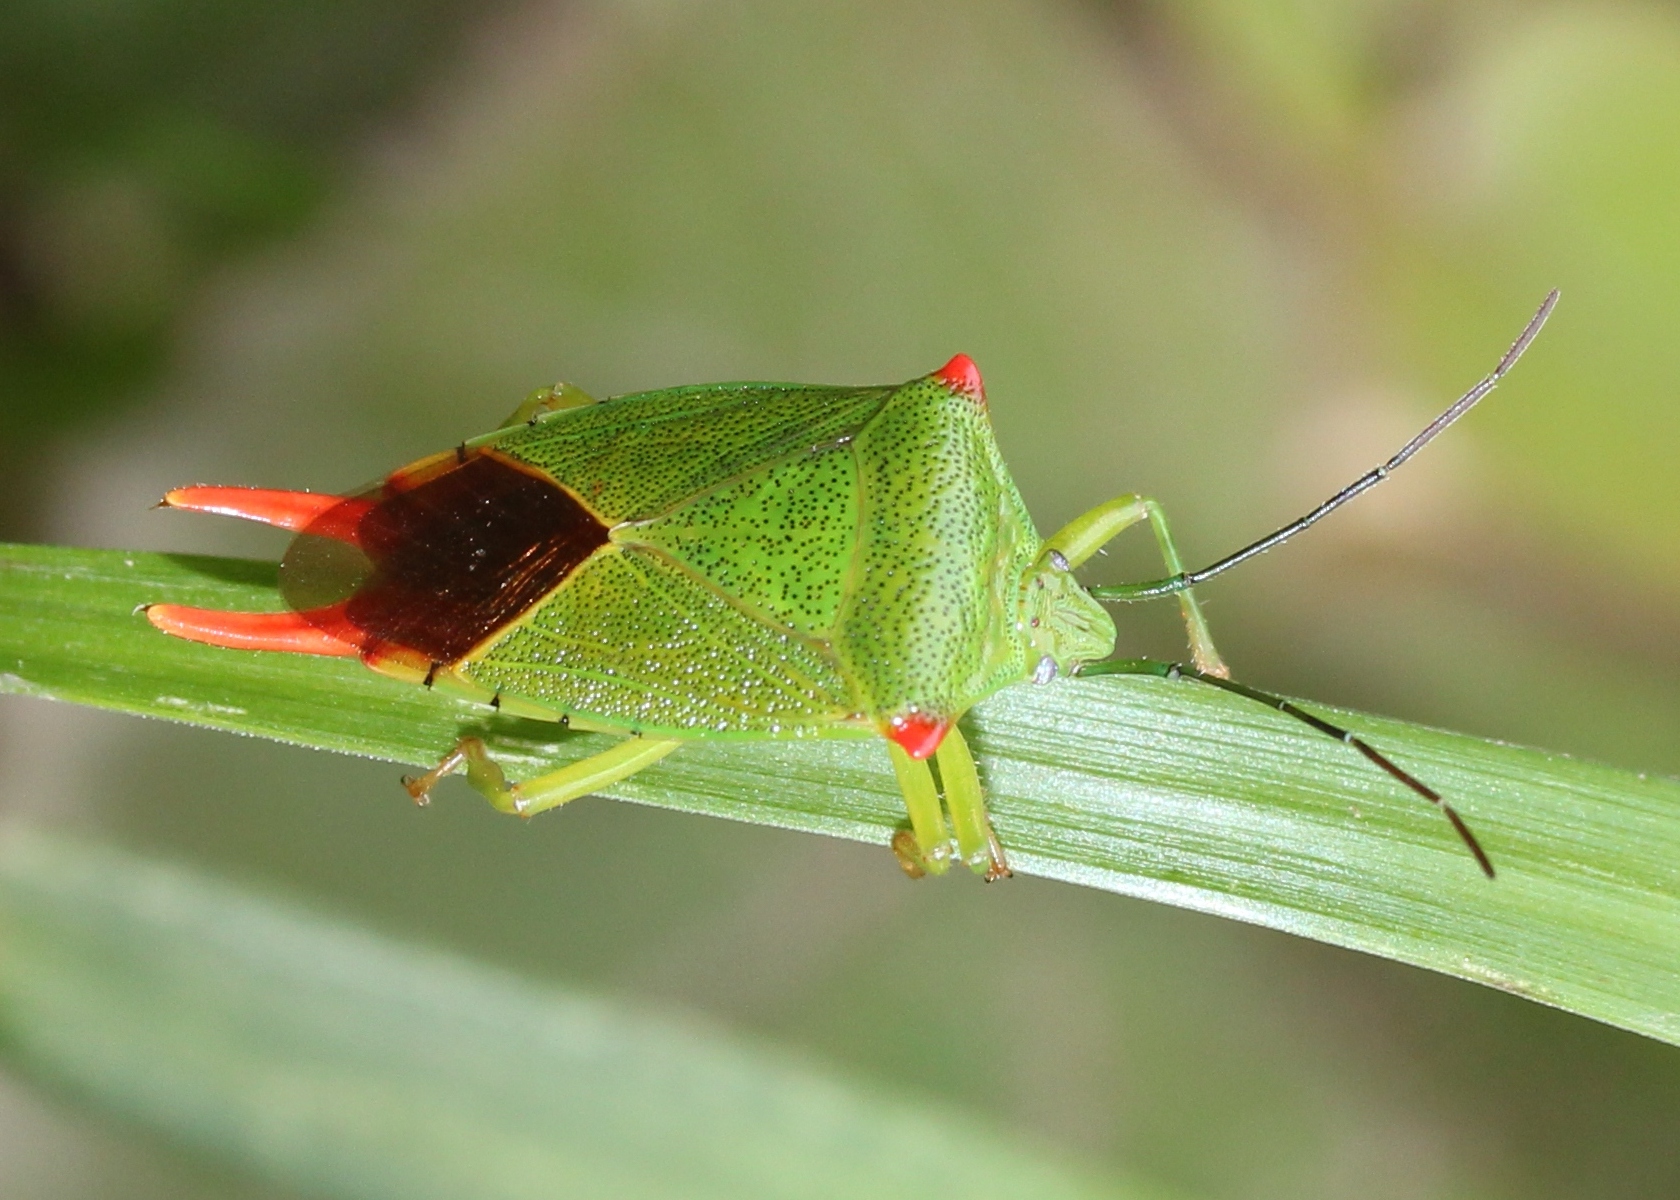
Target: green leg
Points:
(924, 848)
(1083, 536)
(976, 842)
(561, 395)
(545, 791)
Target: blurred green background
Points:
(1227, 252)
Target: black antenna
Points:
(1148, 666)
(1185, 580)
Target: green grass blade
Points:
(1164, 789)
(343, 1065)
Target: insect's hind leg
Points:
(537, 795)
(1083, 536)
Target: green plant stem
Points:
(1164, 789)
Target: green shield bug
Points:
(733, 561)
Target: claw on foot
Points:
(909, 854)
(997, 866)
(917, 862)
(419, 787)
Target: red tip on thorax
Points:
(963, 378)
(918, 734)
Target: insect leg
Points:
(924, 848)
(1083, 536)
(977, 844)
(545, 791)
(1146, 666)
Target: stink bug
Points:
(731, 561)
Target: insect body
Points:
(726, 561)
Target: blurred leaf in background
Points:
(1228, 252)
(310, 1053)
(146, 142)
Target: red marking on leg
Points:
(301, 512)
(323, 631)
(963, 378)
(918, 734)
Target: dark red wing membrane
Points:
(437, 566)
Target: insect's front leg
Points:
(1083, 536)
(924, 848)
(977, 843)
(545, 791)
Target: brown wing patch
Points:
(444, 563)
